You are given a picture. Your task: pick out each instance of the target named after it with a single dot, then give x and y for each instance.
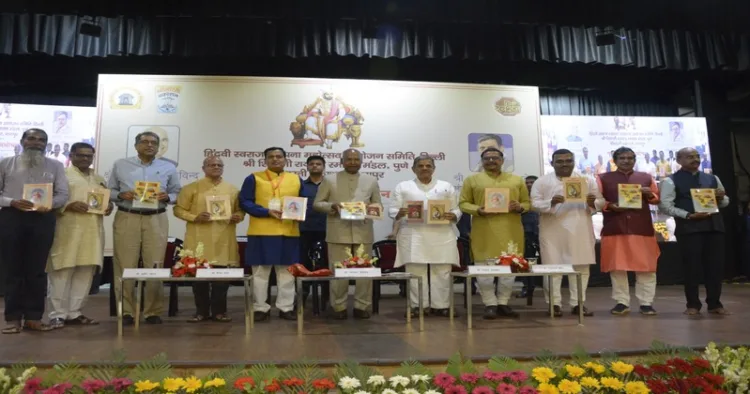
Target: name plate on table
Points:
(357, 273)
(489, 269)
(552, 269)
(139, 273)
(220, 273)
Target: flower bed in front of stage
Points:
(664, 370)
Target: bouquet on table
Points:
(513, 259)
(189, 263)
(359, 260)
(300, 270)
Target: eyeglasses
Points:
(83, 156)
(492, 158)
(149, 143)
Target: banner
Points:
(391, 123)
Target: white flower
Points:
(399, 380)
(376, 380)
(348, 383)
(410, 391)
(419, 378)
(431, 392)
(191, 266)
(389, 391)
(361, 392)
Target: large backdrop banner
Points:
(391, 123)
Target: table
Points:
(246, 280)
(395, 276)
(548, 276)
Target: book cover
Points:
(436, 209)
(98, 200)
(497, 200)
(294, 208)
(575, 189)
(629, 196)
(220, 207)
(352, 211)
(40, 194)
(146, 195)
(375, 211)
(704, 200)
(415, 211)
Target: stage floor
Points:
(384, 339)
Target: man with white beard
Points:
(27, 232)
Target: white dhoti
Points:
(68, 290)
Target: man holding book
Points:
(217, 234)
(493, 230)
(345, 236)
(429, 244)
(272, 243)
(566, 231)
(78, 249)
(700, 229)
(27, 229)
(628, 241)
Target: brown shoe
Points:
(719, 311)
(361, 314)
(692, 312)
(36, 325)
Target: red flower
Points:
(716, 380)
(292, 382)
(640, 370)
(323, 384)
(657, 386)
(701, 363)
(444, 380)
(120, 384)
(32, 385)
(273, 387)
(482, 390)
(241, 382)
(92, 386)
(494, 376)
(661, 369)
(505, 388)
(469, 377)
(455, 390)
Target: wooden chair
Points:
(385, 251)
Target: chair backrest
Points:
(170, 254)
(464, 254)
(318, 255)
(385, 251)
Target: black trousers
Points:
(703, 253)
(25, 241)
(307, 240)
(210, 298)
(531, 247)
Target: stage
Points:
(384, 339)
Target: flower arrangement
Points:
(733, 364)
(513, 259)
(359, 260)
(300, 270)
(189, 262)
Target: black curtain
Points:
(662, 49)
(598, 104)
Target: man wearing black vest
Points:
(700, 236)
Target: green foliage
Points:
(229, 373)
(412, 367)
(307, 370)
(457, 365)
(354, 370)
(155, 369)
(548, 359)
(502, 364)
(110, 369)
(65, 372)
(661, 351)
(580, 355)
(263, 374)
(607, 357)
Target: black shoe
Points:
(290, 315)
(261, 316)
(340, 315)
(557, 311)
(127, 320)
(443, 312)
(506, 311)
(620, 310)
(361, 314)
(490, 312)
(648, 310)
(153, 320)
(586, 312)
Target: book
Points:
(219, 207)
(294, 208)
(497, 200)
(374, 211)
(98, 200)
(146, 195)
(704, 200)
(629, 196)
(415, 211)
(352, 211)
(40, 194)
(435, 211)
(574, 189)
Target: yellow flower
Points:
(636, 388)
(596, 367)
(574, 370)
(569, 387)
(546, 388)
(172, 384)
(542, 374)
(192, 384)
(145, 385)
(216, 382)
(612, 383)
(621, 368)
(590, 382)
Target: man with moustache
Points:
(141, 233)
(27, 232)
(424, 247)
(566, 231)
(344, 237)
(313, 229)
(628, 241)
(78, 249)
(492, 233)
(700, 236)
(219, 237)
(272, 243)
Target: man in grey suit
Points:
(345, 236)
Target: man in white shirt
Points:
(647, 165)
(424, 246)
(566, 231)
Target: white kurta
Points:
(566, 232)
(425, 243)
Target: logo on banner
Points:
(325, 121)
(508, 106)
(125, 98)
(168, 98)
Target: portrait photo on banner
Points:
(169, 141)
(62, 123)
(479, 142)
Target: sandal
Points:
(197, 319)
(13, 328)
(37, 325)
(222, 318)
(81, 321)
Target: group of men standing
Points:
(67, 241)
